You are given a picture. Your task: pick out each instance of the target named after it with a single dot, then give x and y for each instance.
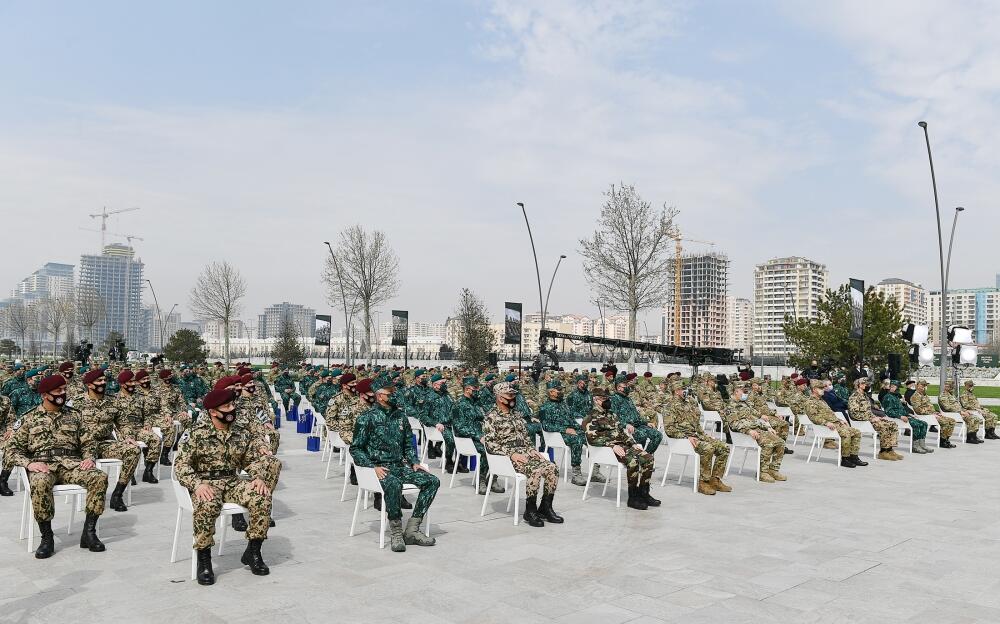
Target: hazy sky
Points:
(252, 132)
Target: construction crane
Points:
(676, 235)
(103, 215)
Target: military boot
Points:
(462, 468)
(412, 535)
(377, 502)
(354, 477)
(239, 523)
(403, 503)
(147, 475)
(545, 511)
(777, 476)
(531, 513)
(923, 445)
(4, 488)
(705, 487)
(991, 434)
(88, 537)
(578, 478)
(165, 459)
(719, 486)
(918, 448)
(634, 500)
(597, 477)
(116, 502)
(497, 487)
(251, 557)
(47, 545)
(396, 541)
(644, 493)
(858, 461)
(206, 576)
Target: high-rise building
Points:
(170, 324)
(215, 330)
(116, 276)
(912, 298)
(784, 287)
(975, 308)
(704, 286)
(269, 323)
(739, 324)
(54, 279)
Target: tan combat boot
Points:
(896, 455)
(777, 476)
(765, 477)
(719, 486)
(886, 455)
(705, 487)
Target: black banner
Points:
(511, 323)
(322, 330)
(857, 309)
(400, 327)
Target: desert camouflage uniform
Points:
(7, 417)
(820, 414)
(99, 417)
(758, 402)
(682, 420)
(948, 403)
(922, 406)
(215, 457)
(246, 416)
(969, 402)
(132, 423)
(56, 439)
(506, 434)
(605, 429)
(860, 408)
(173, 404)
(155, 416)
(741, 419)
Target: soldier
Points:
(860, 408)
(758, 402)
(6, 431)
(24, 398)
(741, 419)
(635, 425)
(893, 406)
(73, 386)
(971, 403)
(922, 406)
(155, 415)
(439, 416)
(603, 428)
(820, 414)
(99, 417)
(260, 410)
(505, 433)
(468, 423)
(383, 442)
(580, 401)
(132, 422)
(284, 385)
(948, 403)
(16, 381)
(683, 420)
(209, 464)
(172, 400)
(51, 446)
(556, 417)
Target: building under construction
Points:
(697, 318)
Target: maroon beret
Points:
(630, 376)
(165, 373)
(243, 371)
(125, 376)
(65, 367)
(647, 374)
(347, 378)
(364, 386)
(215, 398)
(50, 383)
(801, 381)
(142, 374)
(93, 375)
(245, 379)
(225, 382)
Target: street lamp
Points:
(159, 317)
(538, 275)
(944, 279)
(545, 308)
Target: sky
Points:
(251, 132)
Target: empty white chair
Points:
(681, 447)
(745, 443)
(27, 518)
(501, 466)
(603, 456)
(555, 442)
(184, 504)
(820, 434)
(464, 447)
(334, 441)
(710, 420)
(368, 483)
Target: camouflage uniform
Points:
(468, 423)
(605, 429)
(215, 457)
(969, 402)
(132, 423)
(7, 417)
(57, 440)
(894, 408)
(99, 417)
(24, 399)
(820, 414)
(758, 402)
(741, 419)
(384, 440)
(922, 406)
(623, 407)
(155, 416)
(579, 402)
(247, 410)
(441, 413)
(948, 403)
(557, 417)
(506, 434)
(860, 408)
(682, 420)
(284, 385)
(173, 404)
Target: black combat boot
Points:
(239, 523)
(846, 462)
(271, 523)
(116, 502)
(147, 475)
(251, 557)
(377, 502)
(88, 538)
(354, 477)
(531, 513)
(946, 443)
(462, 468)
(403, 503)
(788, 451)
(165, 459)
(545, 512)
(857, 461)
(991, 434)
(206, 576)
(644, 492)
(47, 546)
(449, 466)
(634, 501)
(4, 488)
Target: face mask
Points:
(444, 387)
(32, 383)
(743, 397)
(227, 417)
(145, 385)
(251, 389)
(390, 403)
(59, 399)
(605, 405)
(557, 396)
(100, 389)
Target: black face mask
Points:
(59, 399)
(145, 385)
(100, 389)
(390, 403)
(227, 417)
(605, 405)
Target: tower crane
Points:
(103, 215)
(676, 235)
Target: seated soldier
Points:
(893, 406)
(820, 414)
(557, 417)
(683, 420)
(209, 464)
(468, 423)
(922, 406)
(505, 433)
(635, 425)
(382, 440)
(741, 419)
(758, 402)
(973, 420)
(99, 416)
(860, 408)
(971, 403)
(604, 429)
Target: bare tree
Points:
(90, 310)
(216, 296)
(366, 271)
(20, 319)
(475, 339)
(55, 313)
(627, 258)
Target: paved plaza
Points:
(909, 541)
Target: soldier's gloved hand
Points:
(37, 467)
(260, 487)
(204, 493)
(619, 451)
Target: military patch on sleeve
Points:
(16, 425)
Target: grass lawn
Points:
(982, 392)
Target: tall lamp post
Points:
(538, 274)
(944, 280)
(159, 317)
(947, 278)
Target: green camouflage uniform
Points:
(99, 417)
(215, 457)
(682, 420)
(894, 408)
(468, 423)
(57, 440)
(557, 417)
(605, 429)
(441, 413)
(284, 385)
(506, 434)
(820, 414)
(860, 408)
(971, 403)
(623, 407)
(580, 402)
(742, 419)
(24, 399)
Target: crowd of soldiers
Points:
(60, 422)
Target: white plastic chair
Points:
(431, 434)
(708, 416)
(464, 447)
(418, 430)
(904, 428)
(501, 466)
(554, 441)
(820, 434)
(603, 456)
(961, 429)
(348, 462)
(931, 421)
(27, 519)
(682, 447)
(745, 443)
(866, 429)
(333, 440)
(184, 503)
(108, 466)
(369, 483)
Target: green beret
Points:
(34, 371)
(470, 381)
(436, 377)
(583, 378)
(419, 372)
(489, 377)
(555, 384)
(336, 372)
(509, 378)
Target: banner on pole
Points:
(511, 323)
(400, 327)
(322, 330)
(857, 309)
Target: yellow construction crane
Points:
(677, 280)
(103, 215)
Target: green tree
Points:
(288, 349)
(475, 338)
(828, 336)
(186, 346)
